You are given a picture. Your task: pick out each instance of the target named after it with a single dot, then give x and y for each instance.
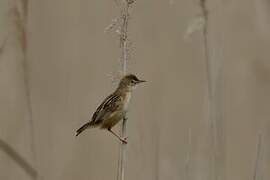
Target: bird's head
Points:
(130, 81)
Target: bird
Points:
(114, 108)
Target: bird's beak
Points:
(141, 81)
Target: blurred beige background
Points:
(56, 65)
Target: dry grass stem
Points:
(19, 14)
(259, 157)
(124, 46)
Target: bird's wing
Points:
(109, 105)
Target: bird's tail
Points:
(84, 127)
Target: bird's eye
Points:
(133, 81)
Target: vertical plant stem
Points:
(123, 149)
(258, 161)
(206, 48)
(124, 58)
(215, 127)
(26, 77)
(123, 38)
(187, 162)
(208, 161)
(21, 25)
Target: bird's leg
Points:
(123, 140)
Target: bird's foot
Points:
(124, 140)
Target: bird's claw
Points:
(124, 140)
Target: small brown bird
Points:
(114, 107)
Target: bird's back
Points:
(113, 103)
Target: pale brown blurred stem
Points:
(26, 74)
(258, 162)
(206, 48)
(215, 129)
(21, 25)
(124, 58)
(211, 136)
(187, 162)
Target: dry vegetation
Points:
(211, 165)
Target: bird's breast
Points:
(126, 100)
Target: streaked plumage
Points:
(113, 109)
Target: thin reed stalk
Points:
(257, 175)
(20, 21)
(215, 131)
(124, 18)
